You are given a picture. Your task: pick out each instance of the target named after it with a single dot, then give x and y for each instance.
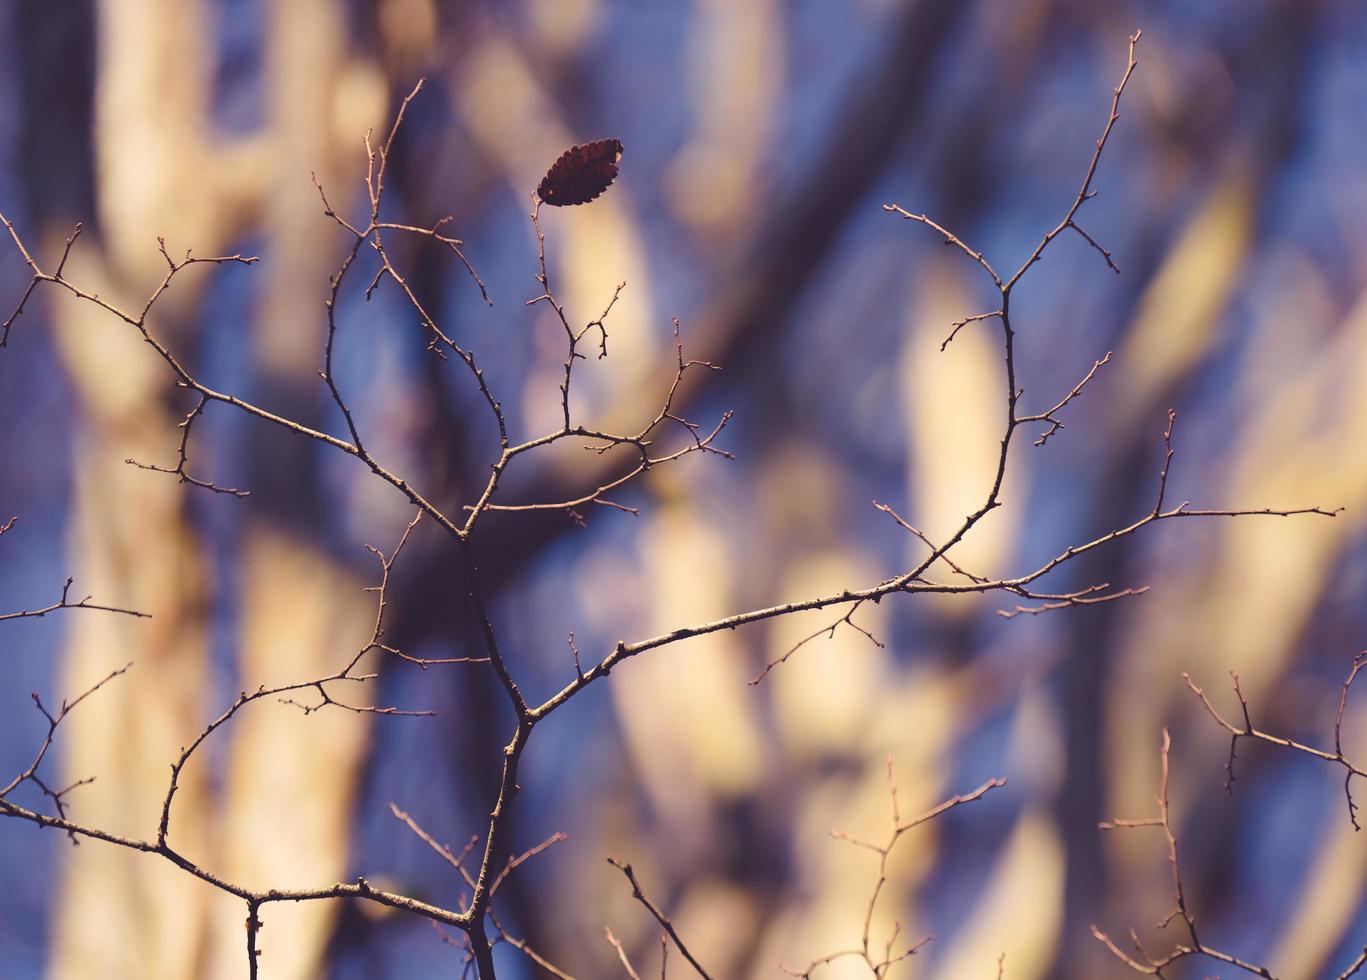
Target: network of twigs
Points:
(485, 862)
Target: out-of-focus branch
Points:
(1246, 730)
(1355, 966)
(880, 961)
(622, 954)
(1155, 965)
(638, 893)
(1144, 962)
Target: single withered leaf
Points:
(582, 173)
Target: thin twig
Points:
(1246, 730)
(1151, 965)
(639, 894)
(878, 962)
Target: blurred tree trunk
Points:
(143, 123)
(120, 914)
(292, 778)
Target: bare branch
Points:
(879, 961)
(65, 602)
(1246, 730)
(1194, 947)
(639, 894)
(622, 955)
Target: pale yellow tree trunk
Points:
(120, 914)
(291, 777)
(282, 817)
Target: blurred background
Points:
(761, 139)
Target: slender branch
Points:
(879, 962)
(622, 954)
(1246, 730)
(1084, 193)
(639, 894)
(913, 582)
(827, 631)
(180, 470)
(54, 721)
(1194, 947)
(343, 675)
(65, 602)
(1051, 415)
(954, 240)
